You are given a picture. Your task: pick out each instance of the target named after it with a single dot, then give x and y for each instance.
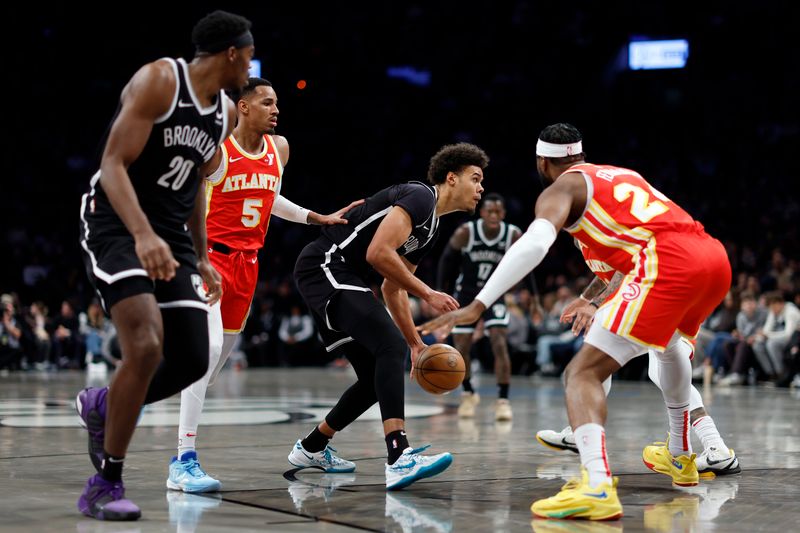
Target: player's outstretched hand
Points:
(213, 281)
(156, 257)
(442, 325)
(338, 216)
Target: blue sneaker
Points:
(411, 467)
(105, 500)
(326, 460)
(186, 474)
(91, 407)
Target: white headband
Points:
(546, 149)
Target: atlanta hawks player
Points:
(675, 275)
(241, 195)
(716, 459)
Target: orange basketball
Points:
(439, 369)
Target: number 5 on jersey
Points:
(251, 212)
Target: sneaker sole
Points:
(97, 463)
(175, 486)
(556, 447)
(615, 516)
(429, 471)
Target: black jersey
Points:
(350, 241)
(165, 175)
(480, 256)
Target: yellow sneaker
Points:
(578, 500)
(681, 469)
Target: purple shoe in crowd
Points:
(105, 500)
(91, 407)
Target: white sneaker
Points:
(502, 410)
(558, 440)
(411, 467)
(795, 384)
(325, 460)
(469, 400)
(404, 510)
(717, 462)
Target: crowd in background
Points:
(714, 137)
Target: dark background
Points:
(719, 137)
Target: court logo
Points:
(197, 284)
(631, 292)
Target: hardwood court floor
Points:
(254, 417)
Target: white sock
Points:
(193, 397)
(679, 443)
(591, 441)
(673, 375)
(707, 432)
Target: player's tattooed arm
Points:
(595, 289)
(610, 289)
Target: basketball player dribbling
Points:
(241, 194)
(636, 230)
(147, 267)
(388, 235)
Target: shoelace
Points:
(330, 457)
(194, 468)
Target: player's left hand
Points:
(338, 216)
(213, 281)
(442, 325)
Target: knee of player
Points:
(145, 345)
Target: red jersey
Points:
(624, 216)
(240, 194)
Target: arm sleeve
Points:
(289, 210)
(520, 259)
(447, 269)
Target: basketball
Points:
(439, 369)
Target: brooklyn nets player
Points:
(144, 241)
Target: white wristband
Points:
(520, 259)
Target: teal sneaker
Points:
(411, 467)
(185, 474)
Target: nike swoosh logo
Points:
(181, 103)
(412, 464)
(191, 434)
(598, 495)
(304, 453)
(234, 159)
(565, 442)
(712, 463)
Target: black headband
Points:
(240, 41)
